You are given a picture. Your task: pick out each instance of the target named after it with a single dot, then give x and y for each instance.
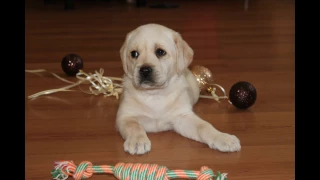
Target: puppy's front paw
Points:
(225, 143)
(139, 144)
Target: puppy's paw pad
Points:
(225, 143)
(137, 144)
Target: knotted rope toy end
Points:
(123, 171)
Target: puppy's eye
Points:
(160, 52)
(134, 54)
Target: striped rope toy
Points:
(130, 171)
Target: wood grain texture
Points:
(256, 45)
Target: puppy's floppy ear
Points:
(184, 53)
(123, 55)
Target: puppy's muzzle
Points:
(146, 74)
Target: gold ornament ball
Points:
(204, 77)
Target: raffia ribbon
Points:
(105, 85)
(99, 84)
(212, 89)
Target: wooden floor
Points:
(255, 45)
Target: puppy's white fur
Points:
(167, 103)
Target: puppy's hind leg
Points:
(193, 127)
(136, 139)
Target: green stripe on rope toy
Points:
(130, 171)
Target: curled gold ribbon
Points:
(99, 84)
(106, 85)
(214, 96)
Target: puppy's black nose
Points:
(145, 71)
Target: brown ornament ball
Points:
(242, 95)
(204, 77)
(71, 64)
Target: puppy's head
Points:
(152, 54)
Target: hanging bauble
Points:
(71, 64)
(204, 77)
(243, 95)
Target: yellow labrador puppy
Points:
(160, 91)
